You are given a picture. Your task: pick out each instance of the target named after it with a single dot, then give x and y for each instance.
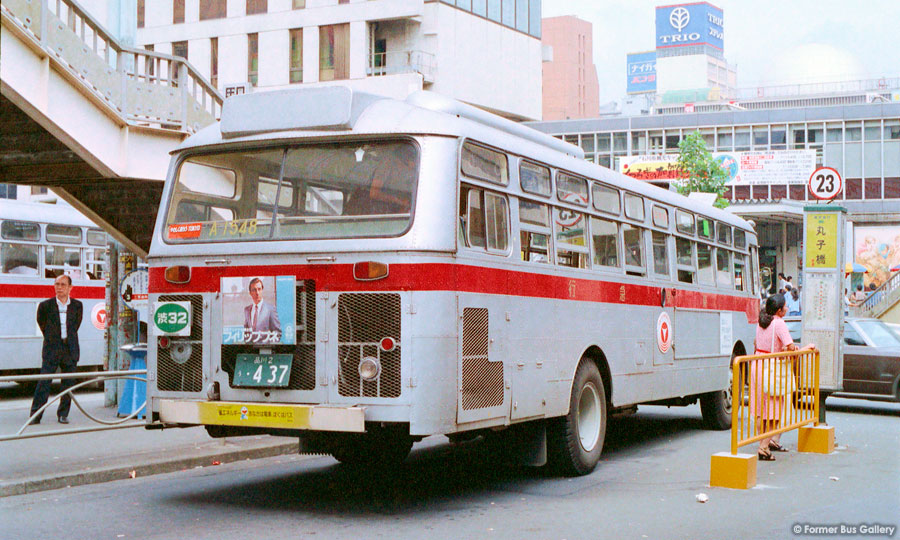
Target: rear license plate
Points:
(270, 370)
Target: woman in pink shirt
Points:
(769, 408)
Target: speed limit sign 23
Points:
(825, 183)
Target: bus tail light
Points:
(178, 274)
(164, 342)
(369, 271)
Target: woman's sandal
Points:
(774, 446)
(765, 456)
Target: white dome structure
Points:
(816, 63)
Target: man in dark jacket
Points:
(59, 319)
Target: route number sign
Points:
(825, 183)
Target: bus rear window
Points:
(346, 190)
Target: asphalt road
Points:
(655, 463)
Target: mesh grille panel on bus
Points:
(482, 380)
(303, 367)
(363, 321)
(187, 377)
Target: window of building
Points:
(760, 137)
(334, 52)
(741, 139)
(8, 191)
(521, 15)
(534, 178)
(724, 139)
(296, 65)
(298, 4)
(180, 48)
(257, 6)
(479, 7)
(214, 62)
(485, 164)
(141, 8)
(177, 11)
(212, 9)
(509, 13)
(605, 235)
(493, 10)
(660, 253)
(253, 58)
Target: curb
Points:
(34, 485)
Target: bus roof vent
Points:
(316, 109)
(436, 102)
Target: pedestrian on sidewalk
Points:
(59, 319)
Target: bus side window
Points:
(534, 226)
(605, 235)
(21, 259)
(486, 219)
(634, 253)
(684, 259)
(739, 275)
(660, 254)
(472, 213)
(723, 268)
(571, 238)
(704, 264)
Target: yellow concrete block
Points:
(732, 471)
(818, 439)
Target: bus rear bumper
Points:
(262, 415)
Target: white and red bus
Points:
(435, 269)
(38, 242)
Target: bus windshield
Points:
(337, 190)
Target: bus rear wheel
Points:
(716, 406)
(575, 441)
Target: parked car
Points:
(871, 357)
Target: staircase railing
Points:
(142, 87)
(882, 298)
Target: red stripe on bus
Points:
(8, 290)
(463, 278)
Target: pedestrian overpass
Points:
(92, 119)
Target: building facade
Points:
(570, 86)
(475, 51)
(861, 141)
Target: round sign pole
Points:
(825, 183)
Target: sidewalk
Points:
(43, 463)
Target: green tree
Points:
(703, 172)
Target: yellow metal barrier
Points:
(771, 394)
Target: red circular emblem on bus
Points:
(663, 332)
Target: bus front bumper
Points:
(263, 415)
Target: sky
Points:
(758, 33)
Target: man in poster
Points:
(260, 317)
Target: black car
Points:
(871, 357)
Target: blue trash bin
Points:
(134, 393)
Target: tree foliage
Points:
(703, 172)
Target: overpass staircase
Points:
(883, 302)
(90, 118)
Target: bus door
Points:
(482, 391)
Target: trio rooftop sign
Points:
(697, 23)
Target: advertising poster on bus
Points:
(258, 310)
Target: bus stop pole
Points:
(110, 394)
